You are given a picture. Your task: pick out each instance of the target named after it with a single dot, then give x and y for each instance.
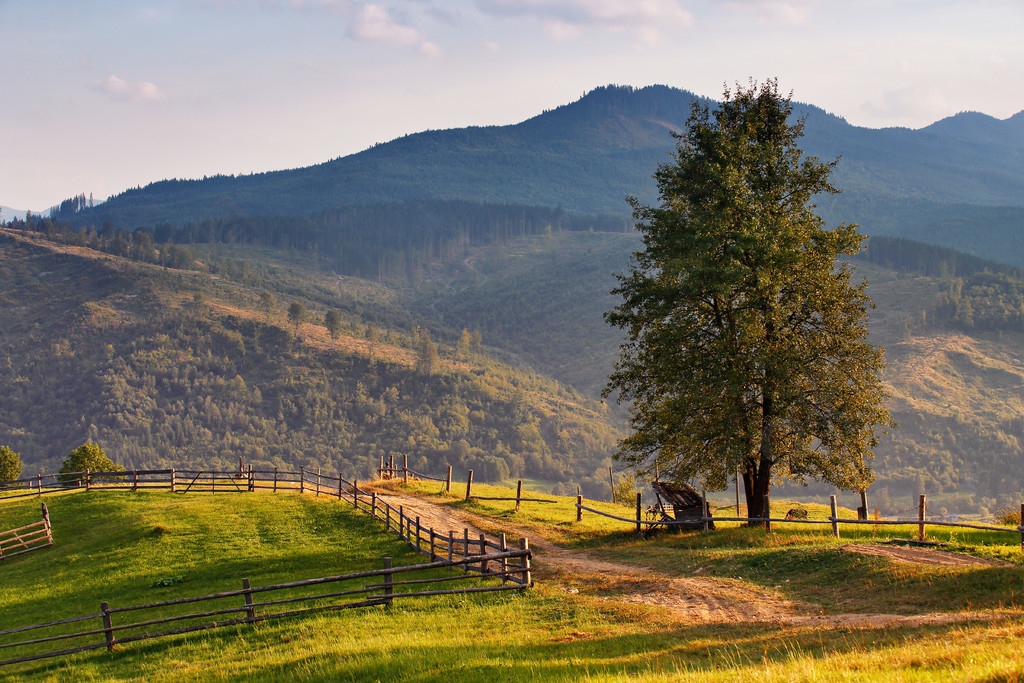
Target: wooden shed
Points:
(687, 504)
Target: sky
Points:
(99, 97)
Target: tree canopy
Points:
(745, 338)
(91, 457)
(10, 464)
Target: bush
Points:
(1008, 516)
(90, 457)
(10, 464)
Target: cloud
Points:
(566, 18)
(786, 12)
(374, 24)
(140, 92)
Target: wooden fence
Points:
(112, 626)
(640, 520)
(26, 538)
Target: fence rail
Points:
(639, 521)
(383, 590)
(26, 538)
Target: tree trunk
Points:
(757, 480)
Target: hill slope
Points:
(589, 155)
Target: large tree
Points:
(745, 337)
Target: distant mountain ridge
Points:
(587, 156)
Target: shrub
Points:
(10, 464)
(90, 457)
(1008, 516)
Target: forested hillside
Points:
(958, 183)
(170, 367)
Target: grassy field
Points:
(120, 546)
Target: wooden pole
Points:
(639, 528)
(611, 485)
(388, 578)
(250, 611)
(483, 551)
(737, 492)
(704, 507)
(172, 480)
(341, 486)
(451, 543)
(302, 479)
(135, 480)
(469, 484)
(317, 482)
(835, 515)
(519, 493)
(401, 520)
(417, 532)
(39, 484)
(524, 544)
(465, 548)
(767, 515)
(252, 480)
(355, 493)
(373, 504)
(46, 523)
(448, 481)
(87, 483)
(387, 517)
(433, 554)
(275, 480)
(405, 468)
(862, 513)
(107, 625)
(504, 560)
(579, 510)
(921, 507)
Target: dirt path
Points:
(697, 599)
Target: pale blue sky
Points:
(99, 97)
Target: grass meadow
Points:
(130, 548)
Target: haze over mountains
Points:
(587, 156)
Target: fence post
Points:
(767, 515)
(835, 516)
(302, 479)
(135, 480)
(524, 544)
(405, 468)
(401, 521)
(317, 482)
(639, 528)
(465, 548)
(469, 484)
(388, 579)
(703, 507)
(373, 504)
(579, 508)
(39, 484)
(107, 626)
(448, 481)
(519, 493)
(1021, 527)
(433, 555)
(172, 480)
(355, 493)
(921, 507)
(46, 523)
(862, 511)
(87, 483)
(275, 480)
(451, 544)
(250, 611)
(252, 480)
(483, 551)
(504, 561)
(418, 529)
